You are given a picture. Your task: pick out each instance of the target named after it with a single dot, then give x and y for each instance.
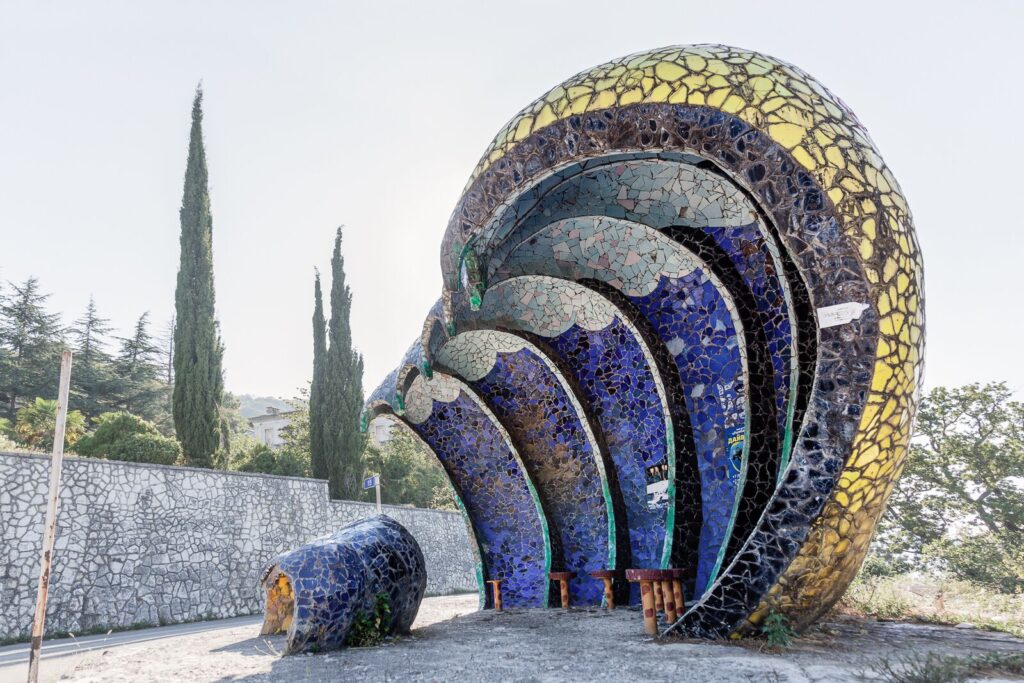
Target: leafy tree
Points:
(443, 497)
(959, 505)
(319, 458)
(31, 339)
(37, 420)
(234, 432)
(410, 475)
(93, 379)
(198, 380)
(126, 437)
(342, 390)
(296, 449)
(292, 459)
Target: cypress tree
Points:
(198, 381)
(319, 462)
(342, 390)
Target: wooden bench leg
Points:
(677, 592)
(670, 601)
(609, 596)
(650, 616)
(564, 586)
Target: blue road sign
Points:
(369, 482)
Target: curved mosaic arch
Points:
(616, 377)
(752, 172)
(492, 488)
(567, 463)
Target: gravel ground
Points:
(452, 641)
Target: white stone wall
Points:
(154, 544)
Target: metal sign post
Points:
(50, 528)
(373, 481)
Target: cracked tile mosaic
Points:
(693, 315)
(316, 592)
(766, 319)
(554, 438)
(491, 482)
(614, 373)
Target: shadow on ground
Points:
(544, 645)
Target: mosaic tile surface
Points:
(695, 318)
(316, 591)
(737, 215)
(491, 482)
(609, 364)
(557, 445)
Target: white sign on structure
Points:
(840, 314)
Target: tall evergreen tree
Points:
(319, 460)
(198, 382)
(92, 383)
(342, 389)
(31, 338)
(139, 369)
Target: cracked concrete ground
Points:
(452, 641)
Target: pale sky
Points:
(374, 114)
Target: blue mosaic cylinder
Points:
(317, 592)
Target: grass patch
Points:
(935, 601)
(934, 668)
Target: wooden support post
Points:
(50, 526)
(648, 580)
(563, 579)
(670, 600)
(607, 576)
(659, 601)
(496, 592)
(677, 588)
(647, 599)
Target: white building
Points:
(380, 430)
(267, 428)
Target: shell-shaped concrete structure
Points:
(682, 327)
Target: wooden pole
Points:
(50, 528)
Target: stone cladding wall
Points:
(150, 544)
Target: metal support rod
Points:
(50, 528)
(378, 494)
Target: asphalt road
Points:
(62, 655)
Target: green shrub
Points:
(777, 631)
(155, 449)
(128, 438)
(260, 458)
(371, 629)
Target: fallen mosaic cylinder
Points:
(317, 592)
(681, 327)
